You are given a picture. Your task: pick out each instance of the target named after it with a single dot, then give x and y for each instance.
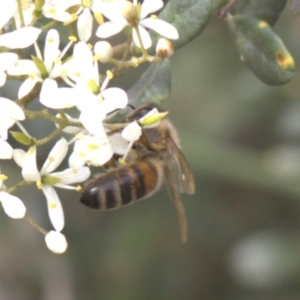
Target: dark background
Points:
(242, 139)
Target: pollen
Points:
(109, 74)
(3, 177)
(74, 171)
(78, 188)
(153, 16)
(50, 40)
(52, 205)
(31, 150)
(51, 10)
(262, 24)
(86, 3)
(51, 158)
(32, 76)
(92, 147)
(72, 38)
(39, 184)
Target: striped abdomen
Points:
(124, 185)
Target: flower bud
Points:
(164, 48)
(103, 51)
(130, 13)
(56, 242)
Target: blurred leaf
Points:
(267, 10)
(153, 86)
(261, 49)
(189, 17)
(216, 4)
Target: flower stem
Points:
(35, 225)
(20, 13)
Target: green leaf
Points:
(153, 86)
(22, 138)
(216, 4)
(189, 17)
(267, 10)
(261, 49)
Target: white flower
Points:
(12, 205)
(91, 150)
(56, 242)
(103, 51)
(10, 112)
(94, 101)
(50, 66)
(7, 60)
(121, 15)
(46, 179)
(20, 38)
(56, 10)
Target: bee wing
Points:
(177, 201)
(185, 177)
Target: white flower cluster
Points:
(90, 142)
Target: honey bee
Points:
(155, 158)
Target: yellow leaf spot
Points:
(285, 61)
(52, 205)
(262, 24)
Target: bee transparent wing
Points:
(180, 179)
(181, 167)
(172, 184)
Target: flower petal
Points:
(12, 205)
(29, 169)
(85, 25)
(7, 9)
(149, 7)
(6, 151)
(55, 209)
(91, 118)
(55, 157)
(114, 98)
(56, 242)
(73, 175)
(51, 50)
(7, 60)
(18, 157)
(20, 38)
(26, 87)
(109, 29)
(162, 27)
(11, 109)
(132, 132)
(145, 36)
